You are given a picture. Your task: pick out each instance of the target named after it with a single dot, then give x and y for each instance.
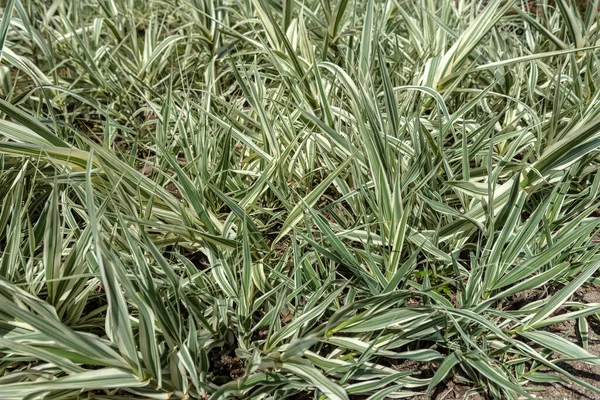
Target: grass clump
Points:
(260, 199)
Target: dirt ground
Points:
(586, 372)
(452, 390)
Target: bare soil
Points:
(452, 389)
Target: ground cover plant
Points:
(298, 199)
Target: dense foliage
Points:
(272, 199)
